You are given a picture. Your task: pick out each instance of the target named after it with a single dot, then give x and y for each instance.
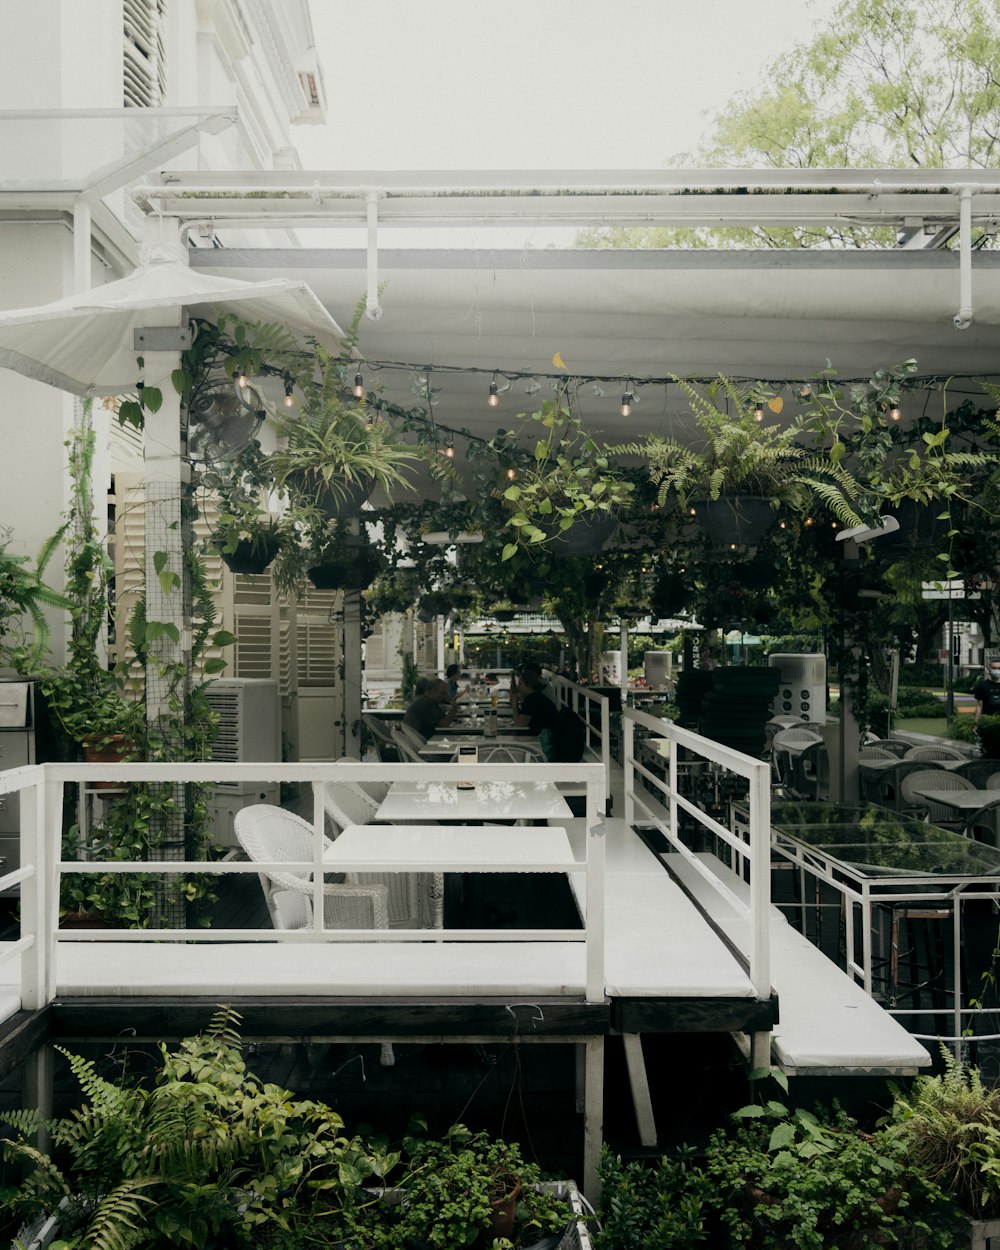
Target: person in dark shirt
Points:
(430, 710)
(986, 691)
(451, 675)
(532, 707)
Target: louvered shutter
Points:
(145, 84)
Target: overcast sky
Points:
(536, 84)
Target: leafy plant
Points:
(208, 1153)
(569, 478)
(24, 593)
(786, 1176)
(658, 1206)
(949, 1126)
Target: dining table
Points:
(484, 800)
(441, 747)
(440, 848)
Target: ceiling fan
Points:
(224, 417)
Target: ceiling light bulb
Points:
(449, 451)
(493, 399)
(359, 386)
(809, 520)
(511, 474)
(627, 401)
(289, 401)
(894, 412)
(758, 412)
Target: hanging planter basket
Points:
(340, 501)
(740, 520)
(588, 535)
(354, 572)
(251, 557)
(920, 528)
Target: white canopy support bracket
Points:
(373, 309)
(963, 318)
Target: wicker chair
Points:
(785, 745)
(504, 753)
(984, 824)
(885, 789)
(934, 752)
(978, 771)
(932, 779)
(415, 899)
(270, 835)
(811, 772)
(381, 735)
(409, 753)
(403, 730)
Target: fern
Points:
(118, 1221)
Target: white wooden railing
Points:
(594, 710)
(645, 808)
(41, 788)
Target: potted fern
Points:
(746, 468)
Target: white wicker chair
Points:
(385, 747)
(984, 825)
(934, 752)
(932, 779)
(415, 899)
(409, 753)
(271, 835)
(411, 735)
(504, 753)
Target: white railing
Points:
(41, 788)
(595, 711)
(641, 807)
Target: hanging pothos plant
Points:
(568, 479)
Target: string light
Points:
(241, 378)
(758, 412)
(289, 399)
(511, 474)
(359, 386)
(448, 451)
(493, 399)
(628, 399)
(895, 412)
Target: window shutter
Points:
(145, 84)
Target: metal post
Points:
(949, 706)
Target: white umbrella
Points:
(85, 343)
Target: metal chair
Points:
(933, 779)
(785, 745)
(270, 835)
(885, 787)
(415, 899)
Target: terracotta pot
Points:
(502, 1220)
(107, 749)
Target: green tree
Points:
(890, 84)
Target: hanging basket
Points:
(355, 572)
(734, 520)
(340, 501)
(588, 534)
(251, 557)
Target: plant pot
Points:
(503, 615)
(340, 502)
(107, 749)
(250, 557)
(735, 519)
(504, 1211)
(588, 534)
(351, 574)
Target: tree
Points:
(891, 84)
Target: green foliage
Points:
(23, 593)
(209, 1154)
(568, 478)
(949, 1127)
(988, 728)
(658, 1207)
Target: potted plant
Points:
(734, 483)
(568, 493)
(334, 454)
(464, 1189)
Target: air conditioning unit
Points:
(802, 692)
(658, 667)
(248, 732)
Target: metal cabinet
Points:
(20, 710)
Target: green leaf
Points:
(223, 638)
(152, 398)
(182, 381)
(512, 493)
(160, 560)
(216, 665)
(169, 581)
(782, 1137)
(541, 450)
(130, 413)
(752, 1112)
(509, 550)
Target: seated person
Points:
(532, 707)
(431, 709)
(451, 675)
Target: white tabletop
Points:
(478, 848)
(438, 748)
(488, 800)
(960, 800)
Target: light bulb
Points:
(493, 399)
(894, 412)
(758, 412)
(241, 378)
(449, 451)
(359, 386)
(289, 401)
(627, 400)
(511, 474)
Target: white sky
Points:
(536, 84)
